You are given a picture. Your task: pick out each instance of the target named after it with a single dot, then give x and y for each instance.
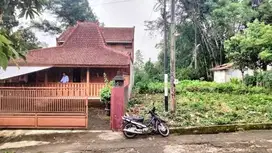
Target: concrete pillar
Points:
(88, 82)
(117, 104)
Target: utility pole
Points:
(172, 58)
(165, 58)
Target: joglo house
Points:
(32, 96)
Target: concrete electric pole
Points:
(165, 58)
(172, 58)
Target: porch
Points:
(71, 90)
(83, 82)
(39, 103)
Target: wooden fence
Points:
(59, 89)
(42, 107)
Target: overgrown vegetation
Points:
(263, 79)
(201, 86)
(203, 108)
(202, 103)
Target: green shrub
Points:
(201, 86)
(105, 93)
(188, 74)
(250, 80)
(260, 79)
(267, 79)
(235, 81)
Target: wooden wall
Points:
(55, 75)
(96, 74)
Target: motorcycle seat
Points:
(136, 119)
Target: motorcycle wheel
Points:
(129, 135)
(163, 129)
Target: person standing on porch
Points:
(65, 78)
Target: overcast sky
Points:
(123, 13)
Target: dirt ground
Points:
(114, 142)
(98, 120)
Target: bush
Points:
(188, 74)
(105, 93)
(235, 81)
(250, 80)
(261, 79)
(201, 86)
(267, 79)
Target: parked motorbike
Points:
(133, 126)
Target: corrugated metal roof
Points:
(13, 71)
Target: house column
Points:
(88, 82)
(46, 77)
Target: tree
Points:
(252, 47)
(152, 71)
(67, 12)
(204, 25)
(139, 61)
(27, 8)
(239, 57)
(23, 40)
(265, 11)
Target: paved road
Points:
(109, 142)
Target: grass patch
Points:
(202, 108)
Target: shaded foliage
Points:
(11, 44)
(67, 13)
(252, 47)
(204, 25)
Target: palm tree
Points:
(27, 8)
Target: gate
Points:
(41, 107)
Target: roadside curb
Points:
(220, 128)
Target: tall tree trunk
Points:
(243, 74)
(1, 16)
(195, 54)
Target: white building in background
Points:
(224, 73)
(269, 67)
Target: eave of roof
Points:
(222, 67)
(118, 41)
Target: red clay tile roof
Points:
(118, 34)
(65, 34)
(94, 56)
(110, 34)
(84, 46)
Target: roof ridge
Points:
(62, 34)
(101, 36)
(69, 35)
(118, 27)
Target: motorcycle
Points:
(133, 126)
